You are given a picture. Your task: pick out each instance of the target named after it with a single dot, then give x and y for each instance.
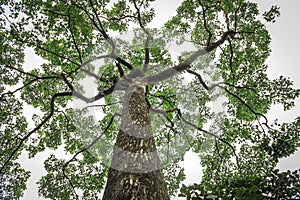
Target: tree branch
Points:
(100, 28)
(205, 23)
(123, 62)
(46, 50)
(100, 95)
(92, 144)
(149, 38)
(88, 72)
(27, 73)
(168, 73)
(81, 151)
(73, 38)
(117, 18)
(103, 32)
(202, 82)
(200, 129)
(245, 104)
(241, 87)
(209, 133)
(234, 95)
(18, 89)
(231, 58)
(121, 71)
(63, 94)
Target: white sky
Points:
(284, 60)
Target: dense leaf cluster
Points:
(239, 151)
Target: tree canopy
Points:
(110, 44)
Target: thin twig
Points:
(63, 94)
(85, 149)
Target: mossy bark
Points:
(135, 172)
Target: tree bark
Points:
(135, 172)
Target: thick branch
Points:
(123, 62)
(205, 23)
(93, 59)
(121, 71)
(88, 72)
(117, 18)
(202, 81)
(149, 38)
(147, 54)
(241, 87)
(168, 73)
(100, 95)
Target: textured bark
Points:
(135, 172)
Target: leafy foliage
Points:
(239, 151)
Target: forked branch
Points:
(81, 151)
(168, 73)
(54, 97)
(178, 111)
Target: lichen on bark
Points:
(136, 171)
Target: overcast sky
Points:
(284, 60)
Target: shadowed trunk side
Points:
(135, 172)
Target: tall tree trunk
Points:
(135, 172)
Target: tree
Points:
(239, 152)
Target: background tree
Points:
(239, 154)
